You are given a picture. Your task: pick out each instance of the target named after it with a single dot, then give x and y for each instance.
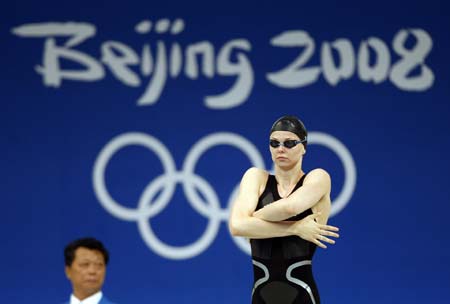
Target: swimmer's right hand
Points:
(310, 230)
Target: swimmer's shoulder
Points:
(256, 176)
(318, 175)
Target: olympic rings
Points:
(349, 168)
(207, 205)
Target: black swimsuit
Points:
(282, 266)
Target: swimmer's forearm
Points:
(252, 227)
(277, 211)
(302, 199)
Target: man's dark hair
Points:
(88, 242)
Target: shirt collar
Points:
(94, 299)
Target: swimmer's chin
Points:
(281, 158)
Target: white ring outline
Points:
(348, 163)
(221, 138)
(206, 143)
(117, 143)
(195, 248)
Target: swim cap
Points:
(292, 124)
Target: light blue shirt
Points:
(94, 299)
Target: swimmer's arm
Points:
(242, 222)
(316, 185)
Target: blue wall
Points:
(111, 126)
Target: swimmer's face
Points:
(288, 151)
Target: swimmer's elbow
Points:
(290, 211)
(236, 227)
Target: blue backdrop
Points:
(134, 122)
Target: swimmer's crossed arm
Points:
(244, 223)
(316, 185)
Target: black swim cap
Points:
(292, 124)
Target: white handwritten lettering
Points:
(411, 59)
(160, 62)
(51, 71)
(295, 75)
(333, 73)
(379, 71)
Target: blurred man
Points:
(86, 261)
